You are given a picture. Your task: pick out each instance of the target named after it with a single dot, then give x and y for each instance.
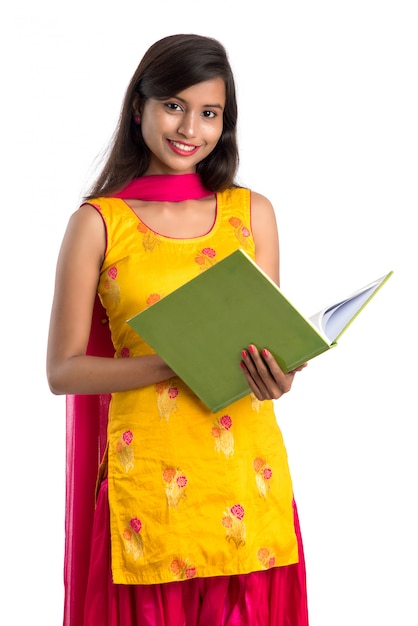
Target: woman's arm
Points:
(264, 376)
(69, 369)
(266, 237)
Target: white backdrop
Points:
(328, 131)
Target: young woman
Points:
(194, 521)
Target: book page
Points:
(333, 320)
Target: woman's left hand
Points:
(265, 378)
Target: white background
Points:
(328, 131)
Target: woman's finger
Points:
(265, 377)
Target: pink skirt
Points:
(275, 597)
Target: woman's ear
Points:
(136, 108)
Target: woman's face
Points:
(181, 131)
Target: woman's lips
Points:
(182, 148)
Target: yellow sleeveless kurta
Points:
(191, 493)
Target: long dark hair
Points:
(168, 67)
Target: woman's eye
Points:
(173, 106)
(209, 114)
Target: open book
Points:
(200, 328)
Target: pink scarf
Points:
(87, 416)
(165, 188)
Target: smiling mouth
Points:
(182, 146)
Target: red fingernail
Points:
(244, 354)
(266, 353)
(253, 349)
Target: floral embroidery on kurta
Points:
(154, 297)
(134, 544)
(175, 486)
(224, 439)
(266, 557)
(182, 569)
(242, 233)
(234, 525)
(166, 399)
(263, 474)
(149, 239)
(112, 286)
(125, 451)
(205, 258)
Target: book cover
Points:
(200, 328)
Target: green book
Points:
(200, 328)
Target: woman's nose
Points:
(188, 125)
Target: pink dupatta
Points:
(87, 415)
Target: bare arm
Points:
(69, 369)
(266, 237)
(264, 376)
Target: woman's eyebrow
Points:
(209, 106)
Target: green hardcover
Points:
(200, 328)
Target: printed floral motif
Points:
(134, 544)
(149, 239)
(112, 286)
(263, 475)
(266, 557)
(224, 439)
(234, 525)
(205, 258)
(182, 569)
(125, 451)
(175, 486)
(154, 297)
(125, 353)
(240, 230)
(166, 398)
